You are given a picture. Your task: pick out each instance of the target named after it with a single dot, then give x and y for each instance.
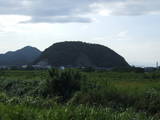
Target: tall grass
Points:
(83, 97)
(19, 112)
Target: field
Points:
(79, 95)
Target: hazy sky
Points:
(130, 27)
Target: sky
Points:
(129, 27)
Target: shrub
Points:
(97, 94)
(152, 75)
(63, 83)
(150, 101)
(2, 73)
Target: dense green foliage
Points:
(63, 83)
(73, 94)
(81, 54)
(19, 112)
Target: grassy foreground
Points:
(79, 95)
(19, 112)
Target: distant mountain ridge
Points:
(80, 54)
(22, 56)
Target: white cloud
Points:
(122, 35)
(52, 11)
(10, 23)
(128, 7)
(12, 19)
(104, 12)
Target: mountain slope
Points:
(23, 56)
(78, 54)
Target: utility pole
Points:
(157, 65)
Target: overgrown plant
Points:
(2, 73)
(63, 83)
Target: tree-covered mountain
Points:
(22, 56)
(80, 54)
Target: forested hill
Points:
(22, 56)
(80, 54)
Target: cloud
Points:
(122, 35)
(63, 11)
(59, 19)
(47, 10)
(128, 7)
(6, 20)
(9, 23)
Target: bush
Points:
(19, 87)
(2, 73)
(63, 83)
(150, 101)
(97, 95)
(152, 75)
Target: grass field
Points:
(79, 95)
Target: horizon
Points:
(131, 28)
(136, 65)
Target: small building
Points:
(24, 66)
(62, 67)
(149, 69)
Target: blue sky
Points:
(130, 27)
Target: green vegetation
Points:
(74, 94)
(19, 112)
(63, 83)
(80, 54)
